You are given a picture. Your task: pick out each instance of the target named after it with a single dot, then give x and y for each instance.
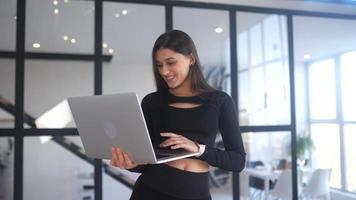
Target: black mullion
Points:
(51, 132)
(7, 132)
(55, 56)
(234, 90)
(169, 17)
(277, 128)
(98, 36)
(19, 98)
(292, 104)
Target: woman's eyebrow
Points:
(170, 58)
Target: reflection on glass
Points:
(350, 152)
(48, 85)
(7, 93)
(268, 167)
(69, 26)
(263, 72)
(53, 164)
(6, 168)
(8, 25)
(348, 82)
(213, 46)
(322, 90)
(327, 150)
(131, 41)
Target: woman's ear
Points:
(192, 59)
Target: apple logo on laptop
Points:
(110, 130)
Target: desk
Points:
(266, 176)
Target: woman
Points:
(184, 113)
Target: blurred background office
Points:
(288, 64)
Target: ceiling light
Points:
(124, 12)
(66, 1)
(105, 45)
(65, 38)
(117, 15)
(36, 45)
(219, 29)
(111, 51)
(73, 41)
(56, 11)
(55, 2)
(306, 56)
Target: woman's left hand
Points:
(176, 141)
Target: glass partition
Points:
(50, 162)
(6, 168)
(8, 25)
(47, 86)
(60, 26)
(129, 32)
(7, 93)
(263, 70)
(325, 97)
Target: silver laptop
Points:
(116, 120)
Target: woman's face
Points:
(173, 67)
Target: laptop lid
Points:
(115, 120)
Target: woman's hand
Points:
(121, 159)
(177, 141)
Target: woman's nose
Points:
(164, 70)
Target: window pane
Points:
(322, 90)
(268, 161)
(47, 86)
(350, 153)
(8, 25)
(6, 168)
(263, 72)
(67, 27)
(52, 163)
(7, 93)
(348, 82)
(131, 66)
(327, 150)
(214, 53)
(243, 50)
(213, 46)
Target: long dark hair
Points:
(182, 43)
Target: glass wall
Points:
(6, 168)
(60, 26)
(263, 70)
(268, 167)
(47, 86)
(8, 25)
(210, 31)
(130, 69)
(7, 93)
(51, 163)
(325, 97)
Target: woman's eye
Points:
(171, 63)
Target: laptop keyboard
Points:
(161, 153)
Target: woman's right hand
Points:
(121, 159)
